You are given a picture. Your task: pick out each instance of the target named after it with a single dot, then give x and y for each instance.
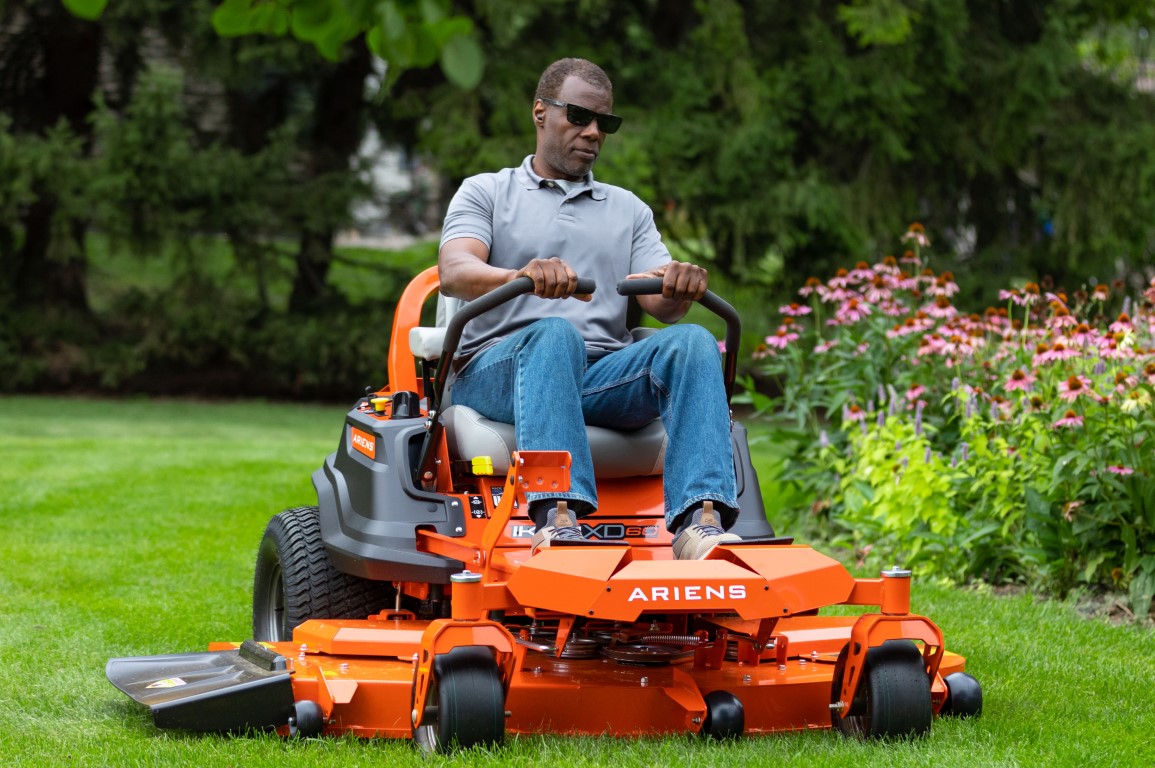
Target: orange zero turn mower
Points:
(407, 604)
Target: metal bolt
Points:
(459, 529)
(837, 706)
(454, 503)
(645, 681)
(537, 670)
(344, 668)
(746, 678)
(781, 667)
(696, 720)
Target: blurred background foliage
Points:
(174, 175)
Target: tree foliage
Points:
(774, 139)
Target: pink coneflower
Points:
(1070, 419)
(851, 311)
(1055, 353)
(917, 234)
(1019, 379)
(853, 412)
(1122, 324)
(940, 307)
(931, 344)
(958, 346)
(1118, 469)
(812, 285)
(915, 392)
(760, 352)
(861, 273)
(877, 291)
(841, 279)
(1124, 381)
(1029, 295)
(1083, 335)
(892, 308)
(888, 266)
(944, 285)
(781, 339)
(1073, 387)
(910, 257)
(795, 310)
(1061, 317)
(825, 347)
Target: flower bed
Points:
(1011, 445)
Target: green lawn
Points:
(129, 528)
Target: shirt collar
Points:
(530, 180)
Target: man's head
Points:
(564, 149)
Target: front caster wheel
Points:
(964, 697)
(307, 720)
(893, 696)
(725, 716)
(466, 702)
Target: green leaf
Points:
(463, 62)
(310, 18)
(86, 9)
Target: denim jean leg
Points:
(532, 379)
(675, 374)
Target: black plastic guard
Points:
(212, 691)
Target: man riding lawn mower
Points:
(408, 603)
(578, 543)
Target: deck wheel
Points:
(466, 702)
(964, 696)
(307, 720)
(893, 697)
(725, 716)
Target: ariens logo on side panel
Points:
(364, 442)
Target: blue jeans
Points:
(539, 380)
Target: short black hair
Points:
(555, 74)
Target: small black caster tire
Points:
(725, 716)
(307, 720)
(964, 696)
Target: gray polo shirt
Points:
(603, 232)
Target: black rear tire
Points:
(893, 696)
(295, 580)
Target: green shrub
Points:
(1008, 446)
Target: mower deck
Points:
(362, 672)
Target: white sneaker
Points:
(703, 533)
(560, 525)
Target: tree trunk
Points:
(59, 61)
(336, 135)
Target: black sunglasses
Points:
(580, 116)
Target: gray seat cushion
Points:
(616, 454)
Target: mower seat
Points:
(615, 453)
(639, 452)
